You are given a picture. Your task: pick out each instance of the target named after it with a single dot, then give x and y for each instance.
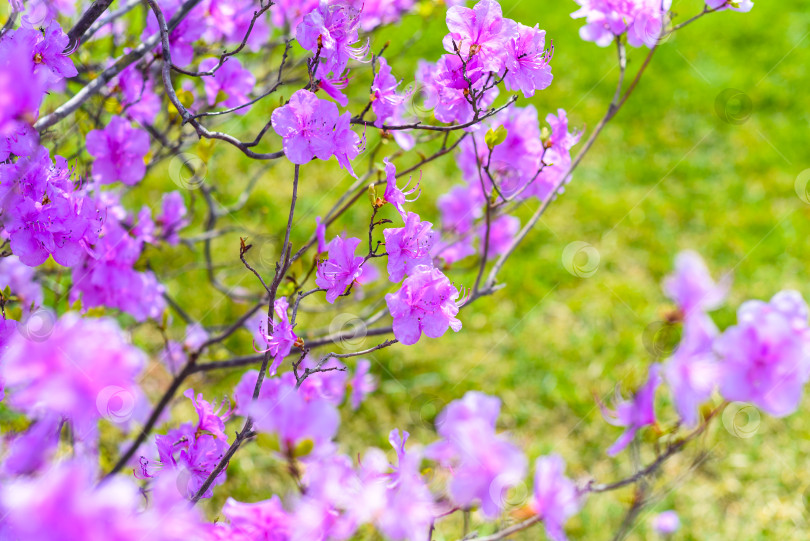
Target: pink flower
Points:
(384, 95)
(80, 368)
(281, 340)
(735, 5)
(556, 498)
(501, 233)
(633, 413)
(527, 60)
(764, 356)
(119, 151)
(692, 371)
(477, 32)
(691, 286)
(266, 520)
(408, 247)
(21, 90)
(395, 196)
(332, 29)
(426, 303)
(210, 421)
(484, 465)
(234, 81)
(362, 383)
(342, 267)
(666, 523)
(312, 128)
(291, 415)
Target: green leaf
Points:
(494, 138)
(304, 448)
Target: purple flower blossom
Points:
(460, 208)
(69, 501)
(408, 247)
(232, 80)
(734, 5)
(642, 20)
(634, 413)
(320, 234)
(395, 196)
(666, 523)
(330, 386)
(291, 12)
(137, 94)
(45, 51)
(265, 520)
(210, 421)
(484, 465)
(313, 128)
(292, 416)
(384, 97)
(342, 267)
(501, 233)
(281, 340)
(70, 372)
(691, 286)
(426, 303)
(107, 277)
(20, 279)
(119, 150)
(28, 452)
(692, 371)
(172, 217)
(478, 32)
(527, 60)
(190, 452)
(23, 140)
(362, 383)
(182, 38)
(382, 12)
(764, 356)
(331, 28)
(556, 498)
(21, 90)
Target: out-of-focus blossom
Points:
(118, 151)
(556, 498)
(362, 383)
(634, 413)
(232, 80)
(691, 286)
(667, 523)
(765, 357)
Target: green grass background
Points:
(667, 174)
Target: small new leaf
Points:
(495, 137)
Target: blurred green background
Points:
(685, 165)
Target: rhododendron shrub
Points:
(87, 124)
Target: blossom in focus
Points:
(408, 247)
(691, 286)
(342, 267)
(331, 28)
(232, 80)
(633, 413)
(527, 60)
(426, 303)
(190, 453)
(394, 195)
(483, 465)
(478, 32)
(118, 151)
(556, 498)
(384, 97)
(765, 357)
(280, 341)
(313, 128)
(21, 91)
